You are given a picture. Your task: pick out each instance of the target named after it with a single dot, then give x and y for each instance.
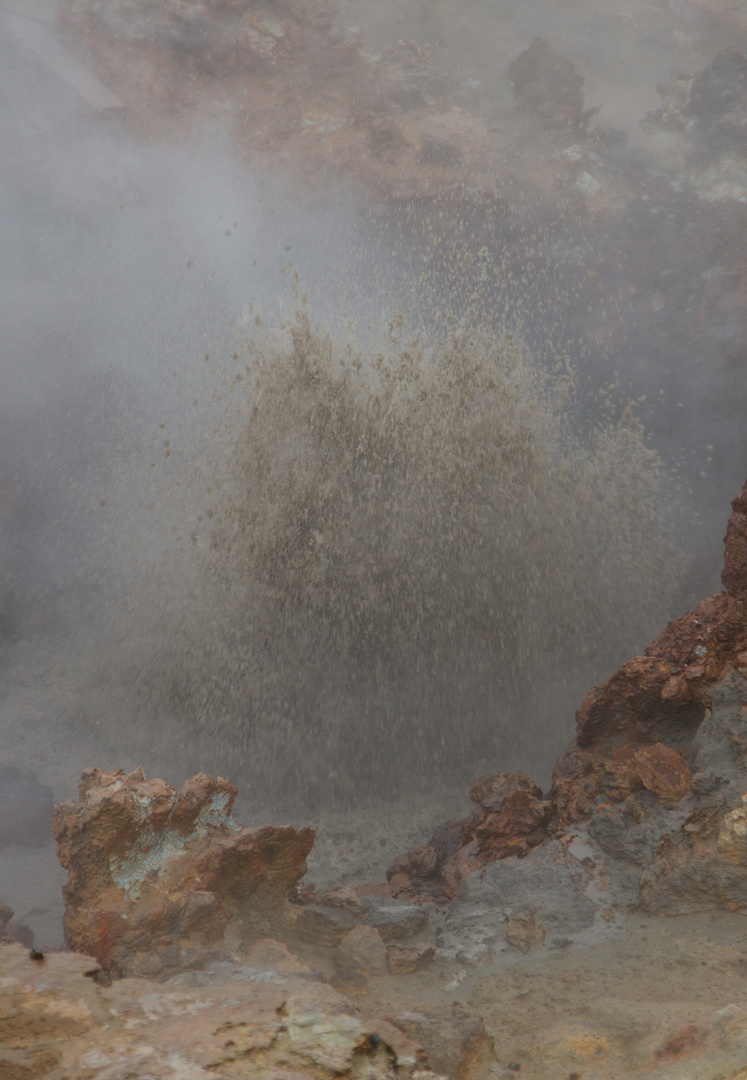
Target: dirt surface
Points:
(654, 999)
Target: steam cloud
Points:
(397, 547)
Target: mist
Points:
(186, 588)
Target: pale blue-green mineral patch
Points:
(154, 851)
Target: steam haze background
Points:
(119, 278)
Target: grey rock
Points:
(396, 920)
(470, 932)
(455, 1040)
(324, 924)
(549, 880)
(704, 782)
(714, 748)
(703, 864)
(625, 833)
(697, 881)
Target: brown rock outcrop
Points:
(58, 1024)
(510, 819)
(657, 770)
(734, 577)
(633, 731)
(159, 880)
(658, 765)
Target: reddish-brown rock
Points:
(511, 818)
(160, 880)
(657, 767)
(734, 577)
(657, 770)
(655, 700)
(663, 771)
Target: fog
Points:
(155, 242)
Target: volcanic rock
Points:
(56, 1023)
(396, 920)
(734, 577)
(160, 880)
(272, 955)
(403, 959)
(658, 767)
(656, 776)
(324, 924)
(362, 950)
(511, 819)
(550, 884)
(654, 703)
(524, 930)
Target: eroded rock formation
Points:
(658, 767)
(657, 774)
(160, 880)
(57, 1023)
(511, 818)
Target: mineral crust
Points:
(159, 880)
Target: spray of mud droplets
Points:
(408, 568)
